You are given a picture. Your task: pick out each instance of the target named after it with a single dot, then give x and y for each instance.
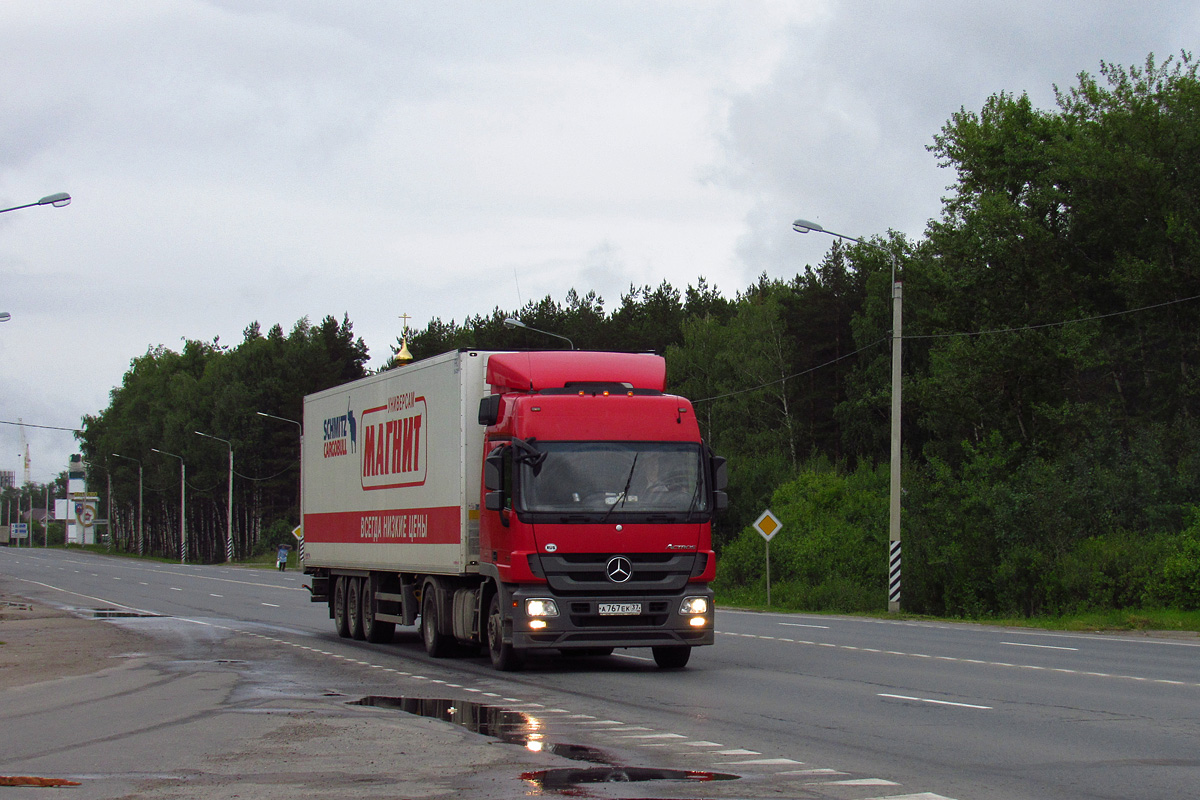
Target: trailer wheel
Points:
(437, 644)
(341, 620)
(373, 630)
(502, 654)
(672, 657)
(354, 607)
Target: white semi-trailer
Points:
(519, 501)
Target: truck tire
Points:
(669, 657)
(501, 653)
(341, 620)
(373, 630)
(437, 644)
(354, 607)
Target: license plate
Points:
(615, 609)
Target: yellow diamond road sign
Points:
(767, 525)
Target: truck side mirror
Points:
(720, 501)
(489, 410)
(493, 501)
(493, 471)
(720, 474)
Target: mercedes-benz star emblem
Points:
(618, 569)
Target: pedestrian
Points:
(281, 557)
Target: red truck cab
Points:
(599, 496)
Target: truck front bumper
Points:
(606, 621)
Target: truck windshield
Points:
(612, 478)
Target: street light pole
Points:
(229, 508)
(516, 323)
(300, 502)
(182, 504)
(139, 525)
(58, 200)
(894, 491)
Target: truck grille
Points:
(585, 573)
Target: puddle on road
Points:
(505, 724)
(114, 613)
(566, 779)
(518, 727)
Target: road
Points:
(796, 705)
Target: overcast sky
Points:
(237, 161)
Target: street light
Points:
(139, 525)
(229, 510)
(182, 504)
(300, 504)
(516, 323)
(57, 200)
(804, 226)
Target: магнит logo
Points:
(395, 443)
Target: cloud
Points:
(276, 159)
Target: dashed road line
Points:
(1041, 646)
(980, 662)
(935, 702)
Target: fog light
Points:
(541, 607)
(694, 605)
(537, 624)
(697, 622)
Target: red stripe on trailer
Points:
(401, 525)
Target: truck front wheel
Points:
(670, 657)
(502, 654)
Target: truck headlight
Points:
(541, 607)
(694, 605)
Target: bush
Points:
(830, 554)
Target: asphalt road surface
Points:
(795, 705)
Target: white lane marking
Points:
(271, 605)
(176, 589)
(936, 702)
(811, 773)
(861, 782)
(761, 762)
(638, 658)
(981, 662)
(216, 595)
(802, 625)
(654, 736)
(1040, 646)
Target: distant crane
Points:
(24, 452)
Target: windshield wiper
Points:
(624, 492)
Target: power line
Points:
(795, 375)
(950, 336)
(43, 427)
(1055, 324)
